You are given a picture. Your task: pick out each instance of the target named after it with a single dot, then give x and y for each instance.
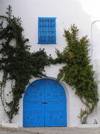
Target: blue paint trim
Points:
(46, 30)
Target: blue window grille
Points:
(47, 30)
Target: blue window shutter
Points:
(47, 30)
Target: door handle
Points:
(44, 102)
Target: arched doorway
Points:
(44, 104)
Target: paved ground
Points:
(50, 130)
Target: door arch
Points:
(44, 104)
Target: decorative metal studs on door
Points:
(46, 30)
(44, 104)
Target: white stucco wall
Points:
(68, 12)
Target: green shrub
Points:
(77, 71)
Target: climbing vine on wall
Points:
(77, 71)
(19, 65)
(16, 62)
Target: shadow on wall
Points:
(95, 41)
(96, 60)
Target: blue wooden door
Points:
(33, 109)
(44, 104)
